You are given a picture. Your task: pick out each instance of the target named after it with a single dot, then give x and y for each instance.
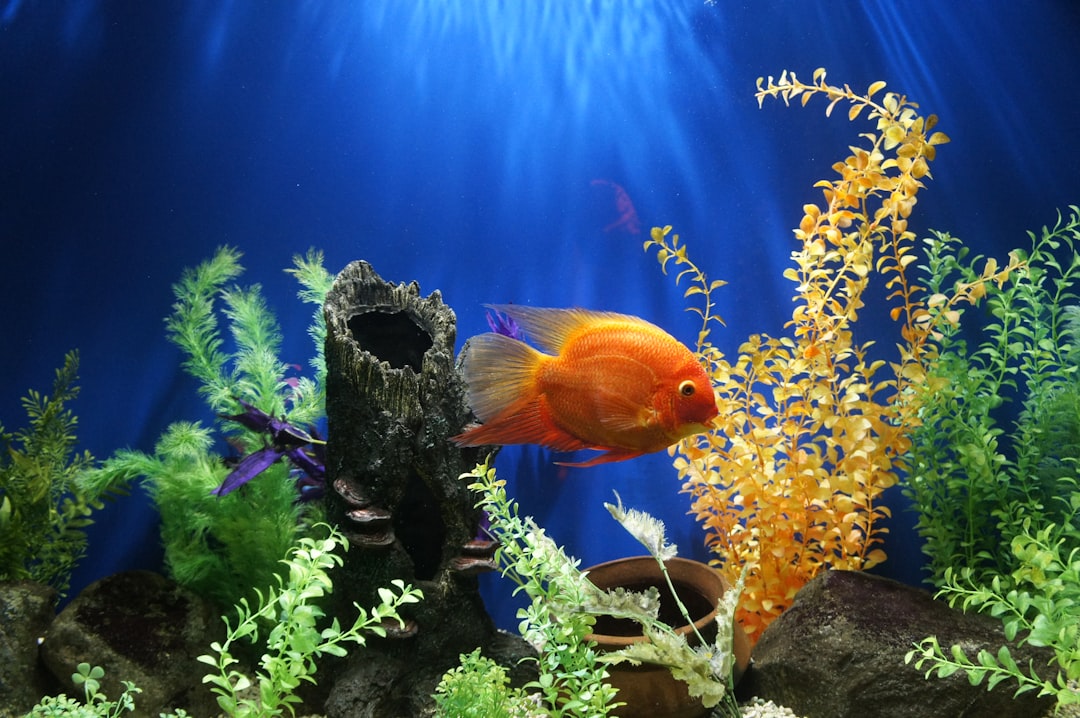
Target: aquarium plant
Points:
(227, 518)
(707, 669)
(1038, 603)
(290, 616)
(564, 605)
(814, 424)
(571, 675)
(480, 688)
(95, 703)
(998, 500)
(978, 469)
(43, 511)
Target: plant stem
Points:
(678, 601)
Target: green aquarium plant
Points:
(571, 674)
(227, 520)
(290, 616)
(976, 476)
(1039, 603)
(480, 688)
(999, 503)
(564, 606)
(295, 636)
(43, 511)
(95, 703)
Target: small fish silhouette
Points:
(628, 219)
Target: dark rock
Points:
(838, 652)
(379, 685)
(26, 610)
(141, 627)
(394, 398)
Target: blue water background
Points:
(455, 143)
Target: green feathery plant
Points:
(222, 545)
(290, 614)
(565, 605)
(43, 513)
(1004, 506)
(256, 374)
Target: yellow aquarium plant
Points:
(813, 425)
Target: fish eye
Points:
(687, 388)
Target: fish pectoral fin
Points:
(606, 458)
(623, 415)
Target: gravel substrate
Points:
(758, 708)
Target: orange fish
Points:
(611, 382)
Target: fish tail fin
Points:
(500, 372)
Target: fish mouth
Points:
(695, 428)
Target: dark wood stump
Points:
(394, 397)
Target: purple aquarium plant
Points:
(502, 324)
(304, 450)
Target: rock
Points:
(394, 398)
(26, 610)
(141, 627)
(838, 652)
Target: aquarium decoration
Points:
(573, 680)
(43, 510)
(219, 541)
(394, 399)
(709, 667)
(999, 504)
(504, 324)
(812, 427)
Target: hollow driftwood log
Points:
(394, 398)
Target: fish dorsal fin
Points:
(550, 328)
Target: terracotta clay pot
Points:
(650, 691)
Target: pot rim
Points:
(681, 571)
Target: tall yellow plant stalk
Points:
(811, 429)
